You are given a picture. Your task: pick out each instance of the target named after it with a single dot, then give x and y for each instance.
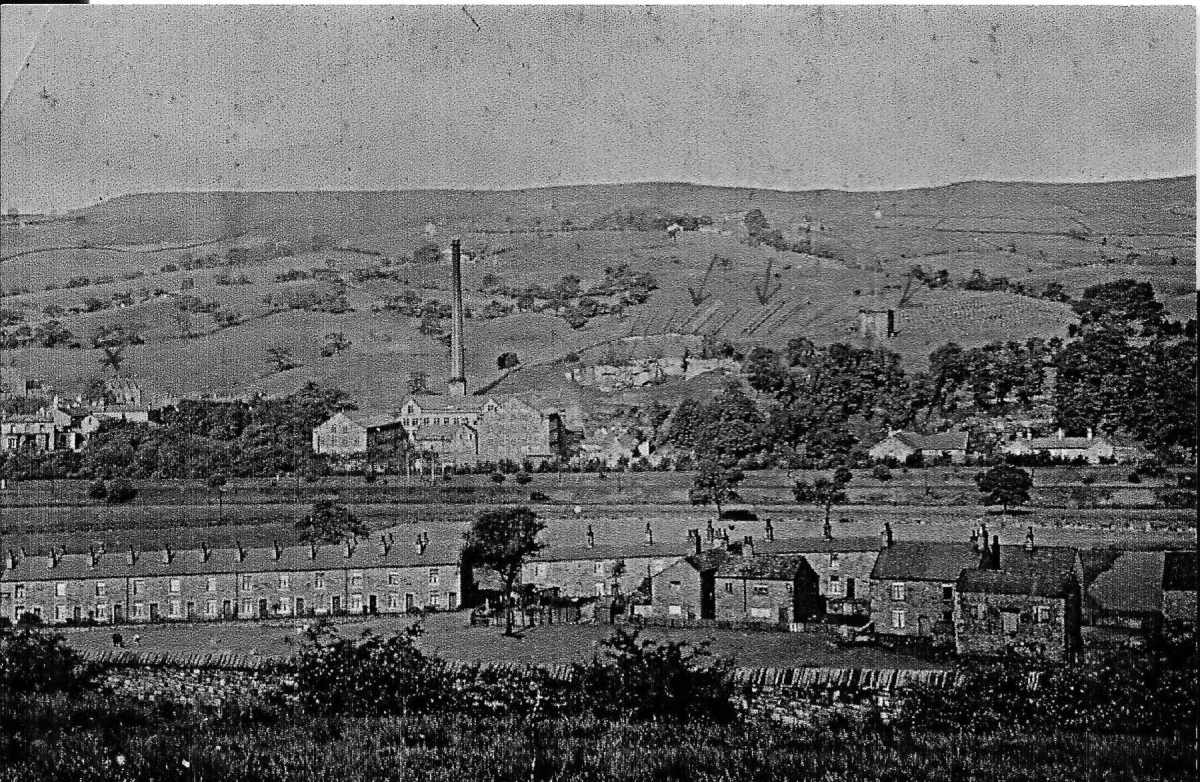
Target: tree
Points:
(283, 358)
(502, 540)
(715, 484)
(427, 253)
(335, 343)
(823, 491)
(113, 358)
(507, 360)
(52, 334)
(97, 490)
(523, 478)
(1004, 485)
(329, 522)
(121, 491)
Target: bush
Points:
(121, 491)
(98, 491)
(32, 661)
(1135, 478)
(881, 473)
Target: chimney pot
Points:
(348, 549)
(131, 557)
(1029, 540)
(828, 531)
(649, 535)
(995, 552)
(770, 531)
(312, 550)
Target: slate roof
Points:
(372, 421)
(1132, 584)
(149, 564)
(1059, 443)
(1179, 571)
(923, 561)
(764, 567)
(945, 441)
(1047, 571)
(585, 553)
(430, 403)
(821, 545)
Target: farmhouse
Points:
(592, 570)
(913, 588)
(768, 588)
(1179, 588)
(903, 446)
(687, 589)
(1022, 600)
(1090, 449)
(49, 429)
(208, 584)
(351, 433)
(843, 567)
(478, 428)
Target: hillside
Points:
(131, 255)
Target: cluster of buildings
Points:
(63, 426)
(455, 429)
(978, 596)
(953, 447)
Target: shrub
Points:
(881, 473)
(120, 491)
(669, 681)
(1135, 478)
(32, 661)
(98, 491)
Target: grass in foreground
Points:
(77, 739)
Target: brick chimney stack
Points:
(1029, 540)
(995, 552)
(649, 535)
(770, 531)
(828, 531)
(748, 546)
(886, 535)
(458, 374)
(591, 537)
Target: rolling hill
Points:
(149, 250)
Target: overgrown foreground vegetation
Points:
(377, 708)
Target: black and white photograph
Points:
(575, 393)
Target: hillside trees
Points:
(715, 483)
(1004, 485)
(329, 521)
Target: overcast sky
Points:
(101, 101)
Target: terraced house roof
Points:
(1046, 571)
(921, 561)
(770, 567)
(816, 545)
(944, 441)
(194, 562)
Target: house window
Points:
(60, 589)
(676, 586)
(210, 608)
(899, 618)
(173, 608)
(356, 578)
(597, 568)
(791, 589)
(947, 591)
(246, 584)
(833, 561)
(285, 605)
(539, 570)
(211, 586)
(600, 590)
(101, 610)
(898, 590)
(393, 600)
(247, 608)
(762, 591)
(393, 579)
(835, 585)
(176, 585)
(948, 616)
(355, 602)
(318, 580)
(139, 610)
(1041, 614)
(101, 589)
(19, 592)
(434, 576)
(675, 610)
(60, 613)
(285, 582)
(978, 611)
(729, 587)
(435, 600)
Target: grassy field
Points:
(1077, 235)
(451, 637)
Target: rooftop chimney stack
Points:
(828, 531)
(748, 546)
(458, 374)
(1029, 540)
(710, 533)
(205, 551)
(649, 535)
(886, 535)
(591, 537)
(11, 560)
(93, 556)
(131, 557)
(694, 535)
(770, 531)
(383, 545)
(276, 551)
(995, 552)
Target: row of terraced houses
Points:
(978, 596)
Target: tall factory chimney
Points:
(458, 373)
